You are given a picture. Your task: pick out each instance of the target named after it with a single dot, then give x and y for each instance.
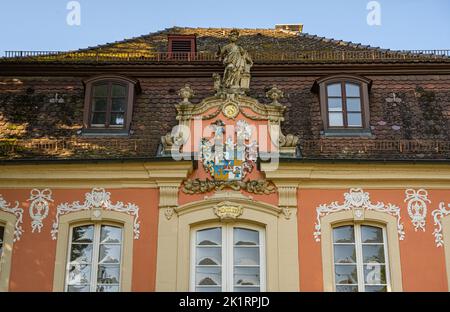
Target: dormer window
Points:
(344, 104)
(108, 105)
(182, 46)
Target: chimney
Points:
(290, 27)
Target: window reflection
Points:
(101, 274)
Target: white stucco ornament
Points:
(357, 200)
(18, 212)
(98, 198)
(438, 214)
(417, 207)
(39, 207)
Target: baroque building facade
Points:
(280, 161)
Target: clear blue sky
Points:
(41, 24)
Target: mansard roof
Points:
(409, 103)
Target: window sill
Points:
(105, 132)
(346, 133)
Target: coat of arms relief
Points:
(229, 156)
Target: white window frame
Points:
(359, 256)
(95, 253)
(228, 254)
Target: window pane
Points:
(117, 119)
(354, 119)
(83, 234)
(101, 90)
(246, 256)
(209, 256)
(246, 276)
(99, 105)
(245, 237)
(334, 89)
(376, 289)
(78, 289)
(373, 253)
(98, 118)
(344, 234)
(375, 274)
(336, 119)
(106, 288)
(344, 254)
(108, 274)
(109, 254)
(347, 288)
(110, 234)
(246, 289)
(371, 234)
(352, 89)
(81, 253)
(119, 90)
(353, 104)
(346, 274)
(208, 276)
(210, 237)
(118, 105)
(335, 104)
(79, 275)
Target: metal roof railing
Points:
(300, 56)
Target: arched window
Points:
(360, 254)
(344, 104)
(228, 258)
(94, 259)
(109, 104)
(360, 258)
(94, 253)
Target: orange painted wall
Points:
(422, 263)
(33, 258)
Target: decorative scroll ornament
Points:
(97, 199)
(18, 212)
(438, 214)
(259, 187)
(39, 207)
(228, 211)
(357, 200)
(227, 161)
(417, 207)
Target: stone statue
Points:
(237, 63)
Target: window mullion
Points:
(359, 258)
(108, 105)
(230, 256)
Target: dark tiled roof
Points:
(417, 127)
(253, 40)
(262, 44)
